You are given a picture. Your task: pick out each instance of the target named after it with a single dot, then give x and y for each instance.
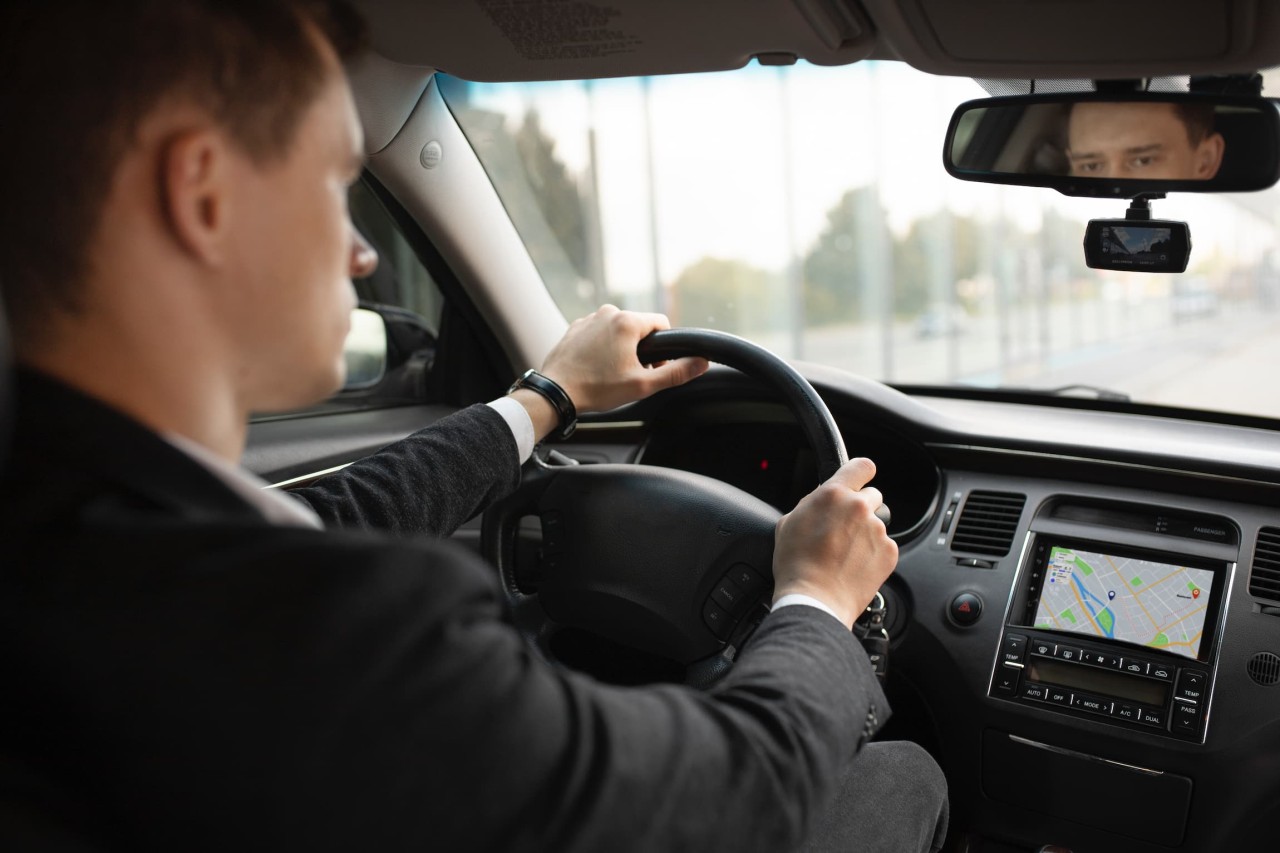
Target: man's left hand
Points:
(596, 363)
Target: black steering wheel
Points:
(668, 562)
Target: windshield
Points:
(807, 209)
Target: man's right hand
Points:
(832, 547)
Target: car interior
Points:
(1069, 707)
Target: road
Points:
(1225, 362)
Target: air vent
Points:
(987, 523)
(1264, 668)
(1264, 580)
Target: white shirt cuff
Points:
(800, 598)
(520, 423)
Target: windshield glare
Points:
(807, 209)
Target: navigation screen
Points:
(1155, 604)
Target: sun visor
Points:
(1080, 38)
(513, 40)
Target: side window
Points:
(400, 280)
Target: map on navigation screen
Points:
(1154, 604)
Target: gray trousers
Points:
(892, 799)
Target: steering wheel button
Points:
(716, 618)
(552, 531)
(729, 596)
(746, 578)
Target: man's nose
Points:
(364, 258)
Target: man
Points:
(1155, 141)
(191, 664)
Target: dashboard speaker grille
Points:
(987, 523)
(1264, 668)
(1264, 579)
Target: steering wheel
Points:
(665, 561)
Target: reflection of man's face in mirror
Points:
(1143, 140)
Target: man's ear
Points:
(1209, 156)
(195, 171)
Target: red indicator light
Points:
(764, 464)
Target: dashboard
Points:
(1087, 625)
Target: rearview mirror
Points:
(1117, 145)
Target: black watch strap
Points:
(555, 395)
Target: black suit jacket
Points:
(178, 674)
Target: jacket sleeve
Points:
(457, 736)
(291, 689)
(428, 483)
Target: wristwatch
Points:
(555, 395)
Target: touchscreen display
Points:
(1154, 604)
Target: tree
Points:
(545, 201)
(728, 295)
(557, 190)
(936, 252)
(837, 275)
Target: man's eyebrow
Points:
(1136, 149)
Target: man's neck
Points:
(171, 395)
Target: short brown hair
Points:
(77, 78)
(1197, 119)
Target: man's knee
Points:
(906, 771)
(891, 798)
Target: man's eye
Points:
(1085, 168)
(1143, 161)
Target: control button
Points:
(949, 516)
(1161, 671)
(1152, 717)
(1124, 711)
(1057, 696)
(1071, 653)
(1032, 690)
(1043, 647)
(1085, 702)
(1013, 648)
(747, 579)
(973, 563)
(965, 609)
(1137, 667)
(728, 595)
(552, 531)
(1007, 680)
(1100, 659)
(1186, 718)
(716, 618)
(1191, 685)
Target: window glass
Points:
(400, 279)
(807, 208)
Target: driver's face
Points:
(1136, 140)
